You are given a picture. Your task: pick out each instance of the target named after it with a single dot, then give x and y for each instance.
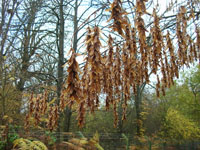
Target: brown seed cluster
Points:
(143, 49)
(140, 6)
(117, 15)
(157, 46)
(181, 33)
(85, 92)
(53, 118)
(71, 92)
(38, 107)
(108, 74)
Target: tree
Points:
(180, 97)
(179, 128)
(8, 12)
(10, 98)
(140, 50)
(30, 40)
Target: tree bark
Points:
(67, 120)
(28, 46)
(138, 102)
(68, 111)
(60, 58)
(120, 121)
(138, 111)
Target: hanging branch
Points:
(73, 91)
(117, 14)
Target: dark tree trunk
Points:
(60, 42)
(138, 100)
(67, 120)
(68, 112)
(120, 121)
(138, 116)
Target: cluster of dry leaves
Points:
(38, 108)
(123, 68)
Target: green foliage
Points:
(12, 137)
(51, 138)
(2, 144)
(103, 120)
(127, 141)
(26, 144)
(81, 134)
(8, 133)
(179, 128)
(95, 141)
(181, 97)
(10, 102)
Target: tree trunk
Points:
(60, 58)
(120, 121)
(60, 52)
(138, 100)
(27, 50)
(67, 120)
(68, 112)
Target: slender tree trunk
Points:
(68, 112)
(60, 58)
(67, 119)
(75, 42)
(138, 101)
(3, 109)
(138, 117)
(60, 52)
(120, 121)
(27, 51)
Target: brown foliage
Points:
(117, 14)
(53, 118)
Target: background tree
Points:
(8, 11)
